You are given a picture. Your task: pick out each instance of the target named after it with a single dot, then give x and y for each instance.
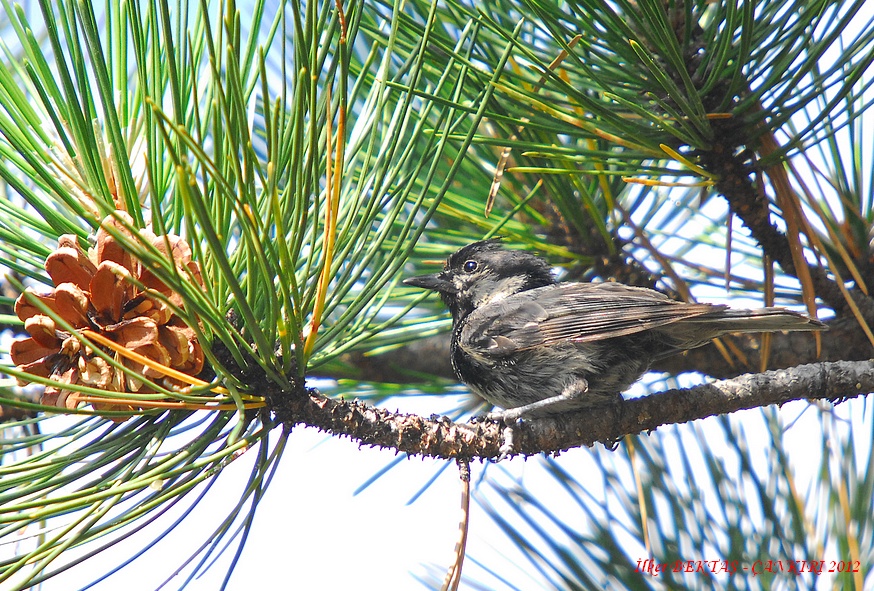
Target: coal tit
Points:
(535, 347)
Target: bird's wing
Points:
(579, 312)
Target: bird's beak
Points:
(434, 282)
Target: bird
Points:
(534, 346)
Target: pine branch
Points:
(440, 437)
(14, 413)
(748, 202)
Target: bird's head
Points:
(484, 272)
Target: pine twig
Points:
(440, 437)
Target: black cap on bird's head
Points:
(483, 272)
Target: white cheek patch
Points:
(501, 289)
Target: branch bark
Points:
(440, 437)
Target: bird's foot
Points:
(512, 417)
(573, 392)
(507, 446)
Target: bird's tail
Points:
(728, 321)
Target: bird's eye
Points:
(470, 266)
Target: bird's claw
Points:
(507, 445)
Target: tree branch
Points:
(14, 413)
(440, 437)
(735, 183)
